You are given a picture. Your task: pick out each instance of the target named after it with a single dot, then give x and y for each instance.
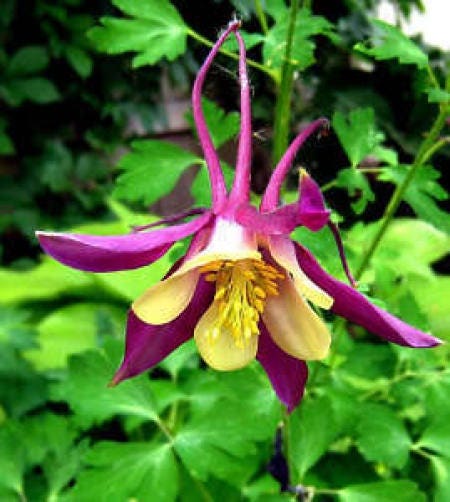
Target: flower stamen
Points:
(242, 287)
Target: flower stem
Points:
(284, 92)
(428, 147)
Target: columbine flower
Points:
(243, 288)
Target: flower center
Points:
(242, 287)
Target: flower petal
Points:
(222, 353)
(283, 252)
(165, 301)
(287, 374)
(294, 326)
(228, 241)
(147, 345)
(96, 253)
(352, 305)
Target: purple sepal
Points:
(311, 211)
(95, 253)
(287, 375)
(279, 222)
(146, 344)
(355, 307)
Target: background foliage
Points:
(84, 146)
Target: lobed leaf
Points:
(355, 182)
(312, 429)
(422, 193)
(211, 442)
(151, 170)
(156, 30)
(382, 436)
(302, 54)
(128, 471)
(388, 42)
(201, 186)
(222, 126)
(85, 389)
(357, 133)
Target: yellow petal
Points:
(283, 252)
(294, 326)
(167, 299)
(221, 352)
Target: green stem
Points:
(426, 149)
(260, 14)
(284, 92)
(196, 36)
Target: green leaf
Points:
(12, 458)
(436, 436)
(250, 39)
(128, 471)
(370, 361)
(401, 250)
(355, 182)
(28, 60)
(222, 126)
(61, 469)
(45, 434)
(275, 8)
(37, 89)
(312, 429)
(302, 54)
(80, 60)
(156, 30)
(85, 389)
(386, 155)
(15, 332)
(389, 42)
(384, 491)
(434, 300)
(211, 442)
(422, 193)
(441, 471)
(22, 389)
(357, 133)
(151, 170)
(382, 436)
(201, 186)
(47, 280)
(69, 330)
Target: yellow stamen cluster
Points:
(242, 287)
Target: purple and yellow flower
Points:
(244, 289)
